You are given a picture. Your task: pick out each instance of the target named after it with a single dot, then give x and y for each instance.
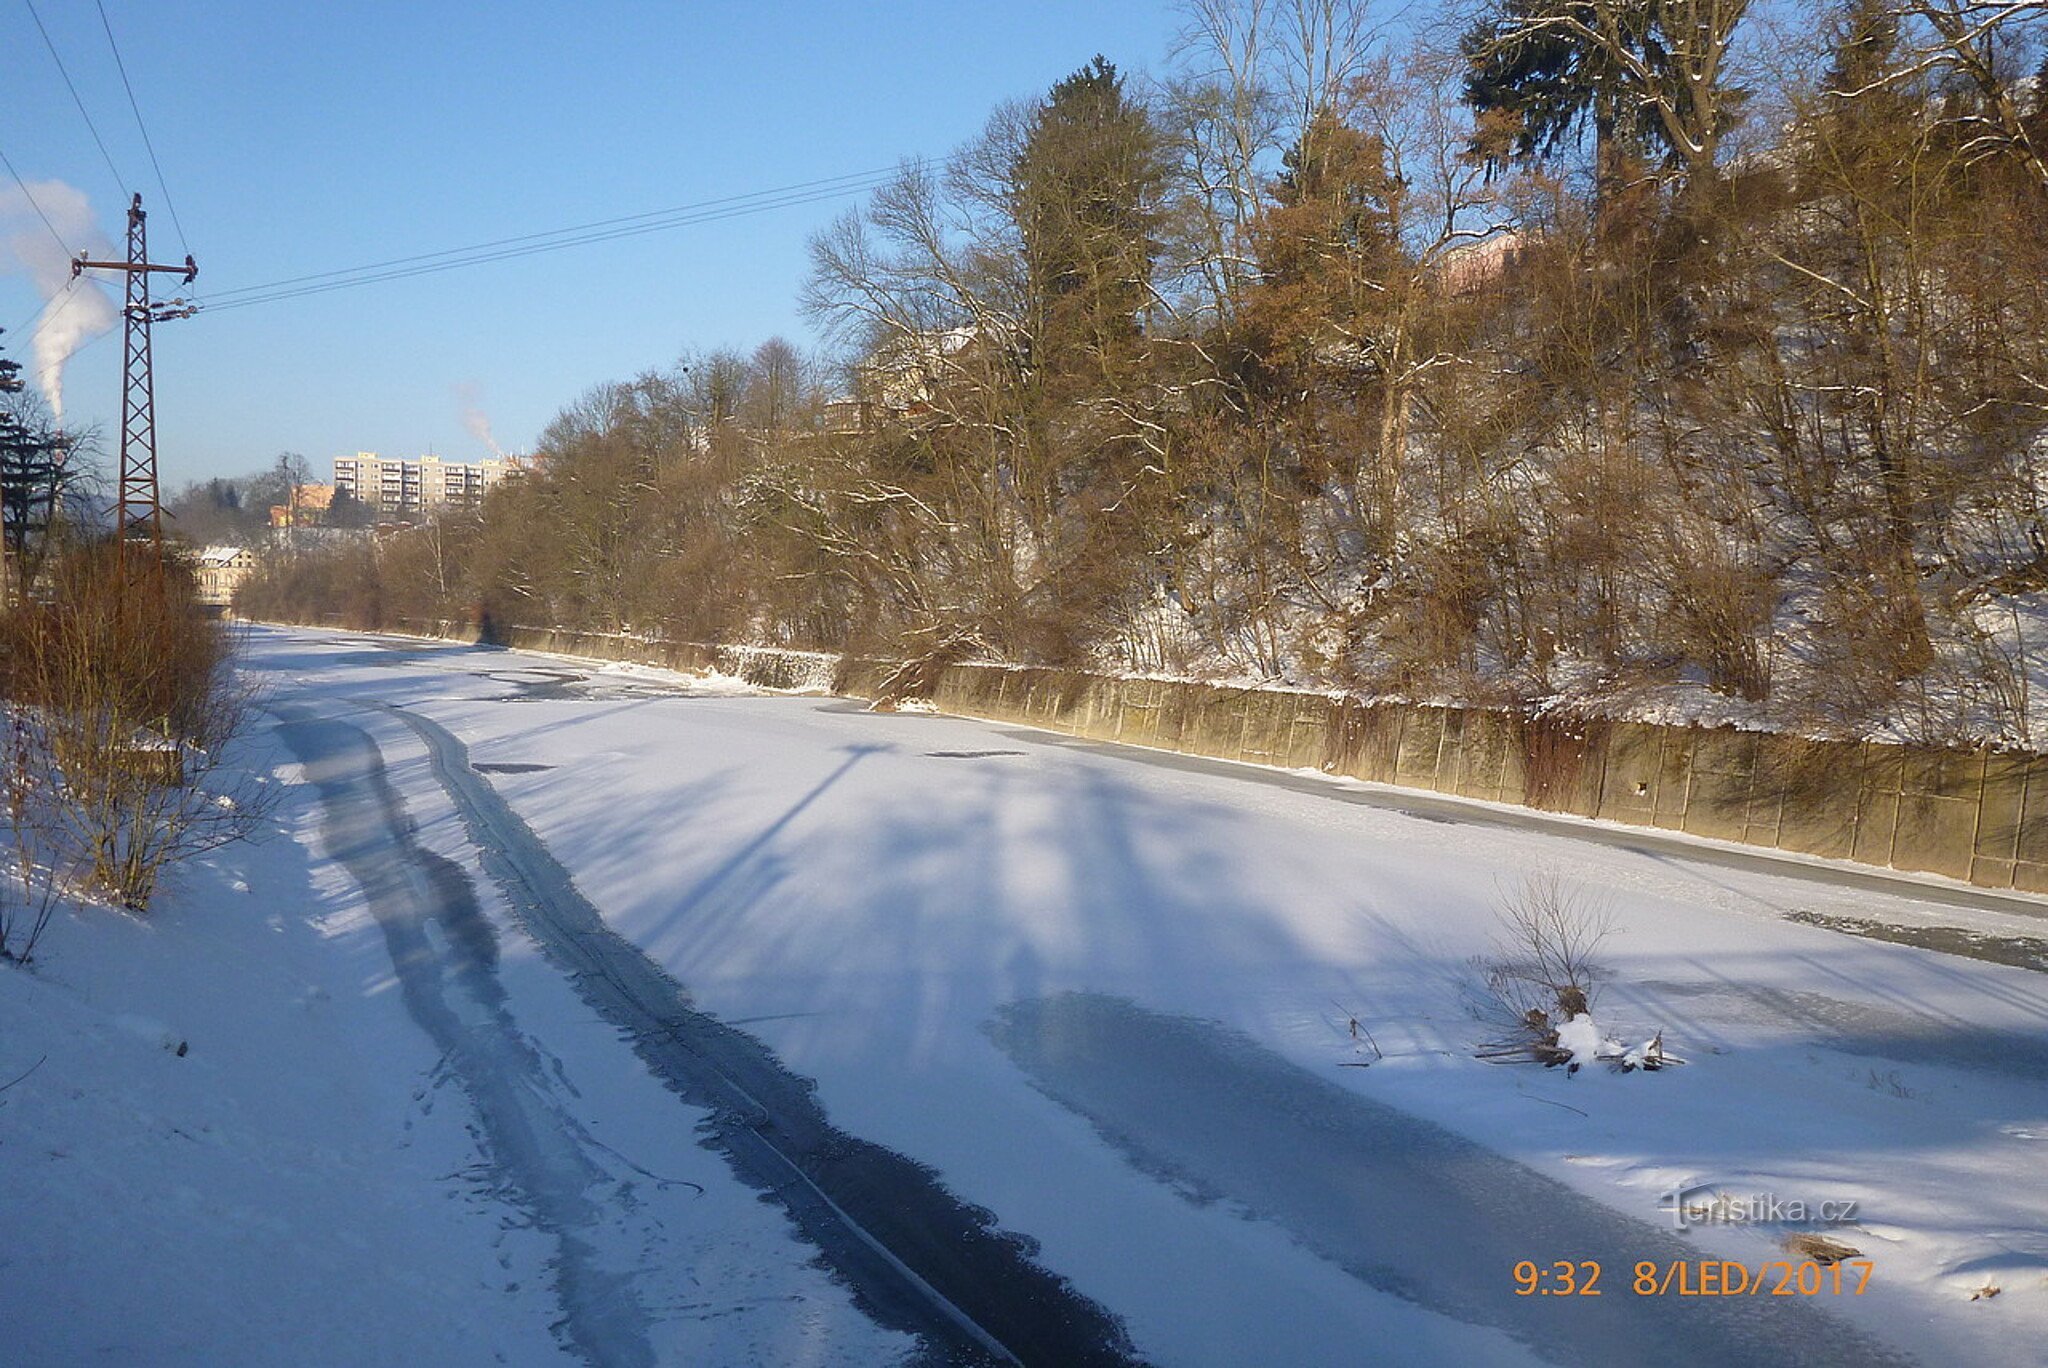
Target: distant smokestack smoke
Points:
(84, 314)
(479, 425)
(84, 311)
(476, 420)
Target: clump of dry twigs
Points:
(1819, 1248)
(1543, 968)
(1541, 978)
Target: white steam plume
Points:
(475, 419)
(82, 309)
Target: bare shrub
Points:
(1430, 618)
(1543, 968)
(1869, 648)
(124, 706)
(1718, 612)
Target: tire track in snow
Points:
(917, 1258)
(451, 989)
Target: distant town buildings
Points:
(1474, 266)
(900, 378)
(219, 569)
(305, 506)
(394, 488)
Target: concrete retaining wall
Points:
(1977, 815)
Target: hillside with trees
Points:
(1682, 357)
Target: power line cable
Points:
(29, 195)
(150, 147)
(853, 182)
(436, 268)
(119, 180)
(606, 230)
(509, 254)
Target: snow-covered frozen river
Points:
(1107, 1002)
(1048, 1052)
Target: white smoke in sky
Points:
(475, 419)
(82, 309)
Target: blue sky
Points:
(297, 138)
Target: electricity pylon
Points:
(138, 512)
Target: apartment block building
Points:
(400, 488)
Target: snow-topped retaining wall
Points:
(1974, 814)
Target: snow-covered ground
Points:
(1106, 997)
(311, 1182)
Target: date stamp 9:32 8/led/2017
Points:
(1697, 1278)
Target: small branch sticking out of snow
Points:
(31, 1069)
(1361, 1039)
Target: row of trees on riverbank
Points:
(1580, 349)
